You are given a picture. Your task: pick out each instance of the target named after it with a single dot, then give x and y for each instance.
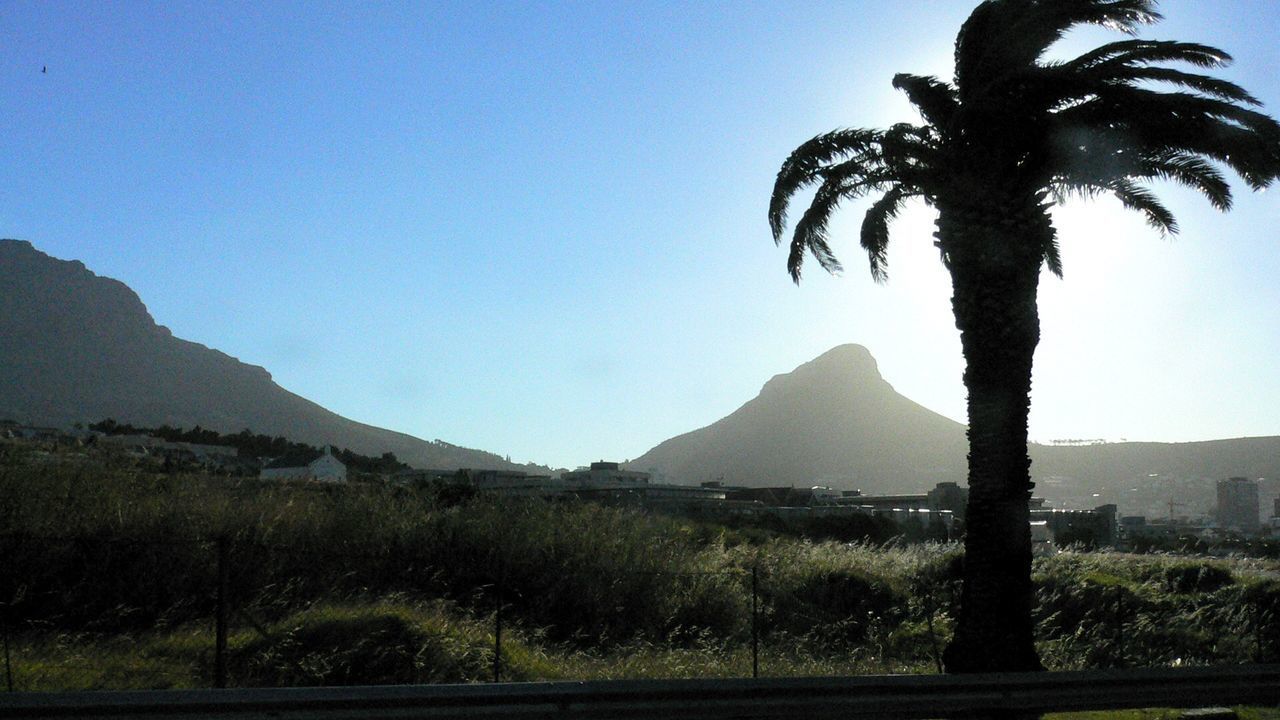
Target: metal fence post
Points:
(497, 630)
(1258, 625)
(8, 664)
(755, 621)
(1120, 661)
(220, 632)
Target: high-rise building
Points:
(1238, 504)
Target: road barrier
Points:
(894, 696)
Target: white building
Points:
(323, 467)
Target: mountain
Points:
(1145, 478)
(76, 347)
(835, 421)
(832, 421)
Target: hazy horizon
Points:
(540, 230)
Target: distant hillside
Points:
(76, 347)
(1249, 457)
(1145, 477)
(835, 421)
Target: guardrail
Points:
(892, 696)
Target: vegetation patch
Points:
(380, 644)
(112, 577)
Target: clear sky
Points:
(538, 228)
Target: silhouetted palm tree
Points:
(1011, 135)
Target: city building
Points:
(605, 474)
(1135, 530)
(606, 482)
(783, 496)
(935, 511)
(512, 482)
(1238, 505)
(602, 482)
(1097, 527)
(945, 496)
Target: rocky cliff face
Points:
(76, 347)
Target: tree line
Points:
(249, 444)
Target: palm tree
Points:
(1010, 136)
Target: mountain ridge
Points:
(79, 347)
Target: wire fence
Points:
(91, 612)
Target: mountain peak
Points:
(832, 421)
(842, 369)
(849, 352)
(844, 359)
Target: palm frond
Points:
(1215, 87)
(1194, 172)
(1245, 140)
(1254, 157)
(811, 233)
(1003, 35)
(972, 45)
(1091, 154)
(935, 99)
(875, 230)
(910, 150)
(1143, 200)
(1145, 52)
(1124, 16)
(848, 165)
(1048, 22)
(1064, 187)
(1052, 253)
(804, 167)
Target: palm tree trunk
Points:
(994, 261)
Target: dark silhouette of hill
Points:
(1248, 457)
(832, 421)
(76, 347)
(1142, 477)
(835, 421)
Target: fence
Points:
(101, 596)
(120, 613)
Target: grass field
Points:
(111, 580)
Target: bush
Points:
(378, 645)
(1196, 577)
(835, 595)
(1262, 600)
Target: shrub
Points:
(1262, 600)
(378, 645)
(835, 595)
(1196, 577)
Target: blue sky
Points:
(539, 228)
